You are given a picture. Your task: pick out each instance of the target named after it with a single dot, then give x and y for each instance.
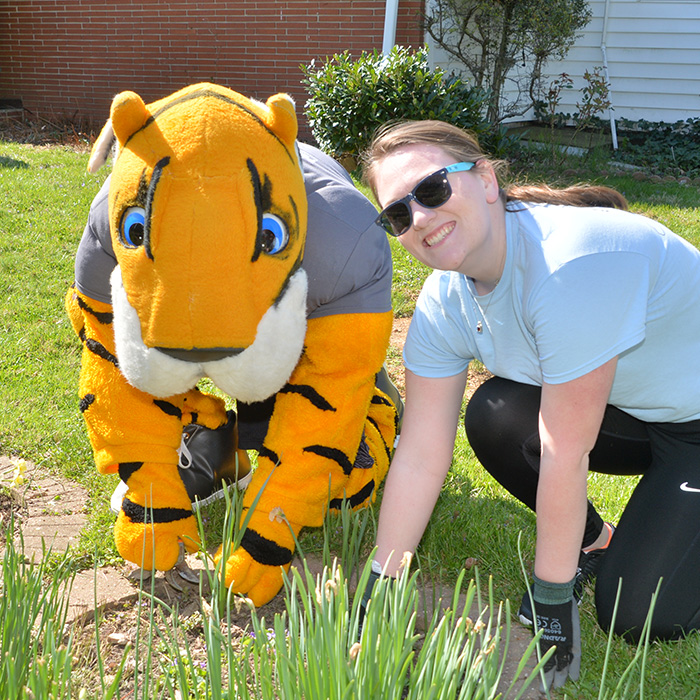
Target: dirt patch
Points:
(132, 619)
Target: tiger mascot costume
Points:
(207, 220)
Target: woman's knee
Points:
(623, 616)
(502, 416)
(502, 429)
(629, 610)
(500, 406)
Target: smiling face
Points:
(467, 233)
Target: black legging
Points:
(659, 532)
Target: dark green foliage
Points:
(660, 146)
(350, 98)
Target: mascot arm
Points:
(138, 436)
(311, 446)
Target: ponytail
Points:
(575, 196)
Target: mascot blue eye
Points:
(133, 227)
(274, 237)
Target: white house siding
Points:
(653, 59)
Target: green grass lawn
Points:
(45, 195)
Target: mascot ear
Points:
(284, 118)
(128, 115)
(101, 147)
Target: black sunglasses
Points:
(431, 192)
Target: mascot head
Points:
(207, 211)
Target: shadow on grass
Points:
(6, 162)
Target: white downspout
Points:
(603, 49)
(390, 16)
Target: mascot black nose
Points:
(201, 355)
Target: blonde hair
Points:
(464, 146)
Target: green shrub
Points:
(660, 146)
(350, 98)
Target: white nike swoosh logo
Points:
(690, 489)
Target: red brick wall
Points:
(69, 58)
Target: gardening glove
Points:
(557, 616)
(374, 576)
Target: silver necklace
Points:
(479, 324)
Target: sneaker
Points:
(209, 464)
(587, 570)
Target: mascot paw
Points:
(259, 582)
(154, 546)
(201, 408)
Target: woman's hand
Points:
(561, 628)
(570, 419)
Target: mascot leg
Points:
(382, 427)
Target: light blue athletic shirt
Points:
(579, 286)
